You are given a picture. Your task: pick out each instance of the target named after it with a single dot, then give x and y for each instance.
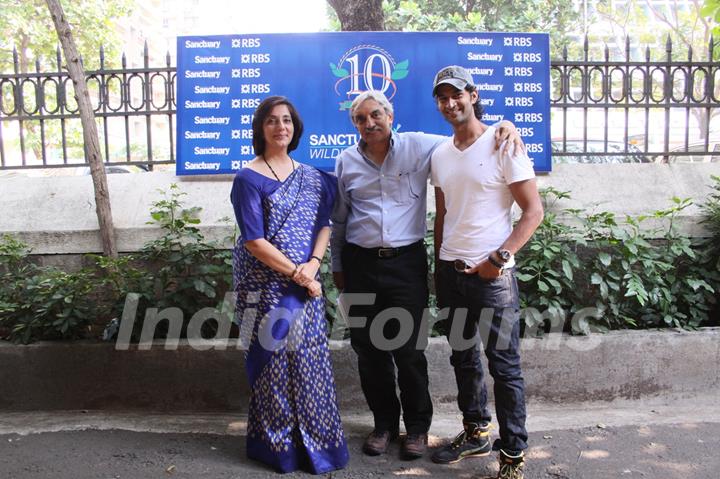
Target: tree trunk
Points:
(359, 15)
(703, 121)
(469, 5)
(90, 134)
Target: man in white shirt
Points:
(377, 250)
(475, 243)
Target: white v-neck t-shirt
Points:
(478, 202)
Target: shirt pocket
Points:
(418, 183)
(400, 190)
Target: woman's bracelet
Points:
(319, 260)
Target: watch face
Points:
(504, 255)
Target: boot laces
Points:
(459, 439)
(510, 471)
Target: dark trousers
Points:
(400, 287)
(490, 308)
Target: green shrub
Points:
(709, 247)
(331, 294)
(41, 302)
(638, 277)
(547, 267)
(181, 268)
(643, 283)
(634, 275)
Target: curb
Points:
(624, 365)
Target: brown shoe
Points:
(377, 442)
(414, 446)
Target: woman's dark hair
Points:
(477, 107)
(262, 112)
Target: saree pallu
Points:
(293, 419)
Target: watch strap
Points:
(494, 262)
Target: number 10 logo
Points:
(370, 68)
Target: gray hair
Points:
(376, 95)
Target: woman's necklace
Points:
(273, 171)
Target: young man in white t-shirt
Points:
(475, 243)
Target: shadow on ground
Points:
(657, 451)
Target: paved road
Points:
(636, 441)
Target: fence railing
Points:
(663, 110)
(134, 107)
(601, 111)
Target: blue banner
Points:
(222, 79)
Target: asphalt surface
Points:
(671, 440)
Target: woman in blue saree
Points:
(283, 209)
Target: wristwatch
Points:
(504, 256)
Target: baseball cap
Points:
(453, 75)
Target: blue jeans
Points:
(492, 309)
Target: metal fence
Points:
(601, 111)
(134, 107)
(661, 110)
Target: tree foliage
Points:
(711, 9)
(484, 15)
(649, 24)
(557, 17)
(27, 26)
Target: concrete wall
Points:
(56, 215)
(557, 369)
